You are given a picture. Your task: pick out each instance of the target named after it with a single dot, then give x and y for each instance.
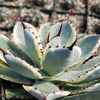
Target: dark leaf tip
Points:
(4, 53)
(22, 22)
(59, 33)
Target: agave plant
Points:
(52, 63)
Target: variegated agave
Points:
(52, 63)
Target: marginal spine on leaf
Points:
(15, 55)
(4, 53)
(54, 92)
(95, 66)
(57, 46)
(86, 71)
(36, 37)
(49, 46)
(22, 22)
(39, 43)
(31, 63)
(71, 47)
(39, 71)
(41, 50)
(22, 58)
(35, 88)
(32, 32)
(8, 48)
(46, 43)
(43, 47)
(94, 83)
(59, 30)
(78, 76)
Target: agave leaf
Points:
(89, 65)
(95, 87)
(54, 30)
(77, 88)
(57, 95)
(43, 33)
(45, 91)
(22, 67)
(21, 40)
(88, 45)
(7, 73)
(60, 59)
(90, 88)
(68, 76)
(18, 32)
(79, 76)
(32, 46)
(89, 76)
(66, 32)
(18, 93)
(83, 96)
(6, 44)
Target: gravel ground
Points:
(93, 25)
(48, 4)
(12, 2)
(93, 6)
(77, 6)
(5, 16)
(35, 16)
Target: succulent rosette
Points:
(53, 63)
